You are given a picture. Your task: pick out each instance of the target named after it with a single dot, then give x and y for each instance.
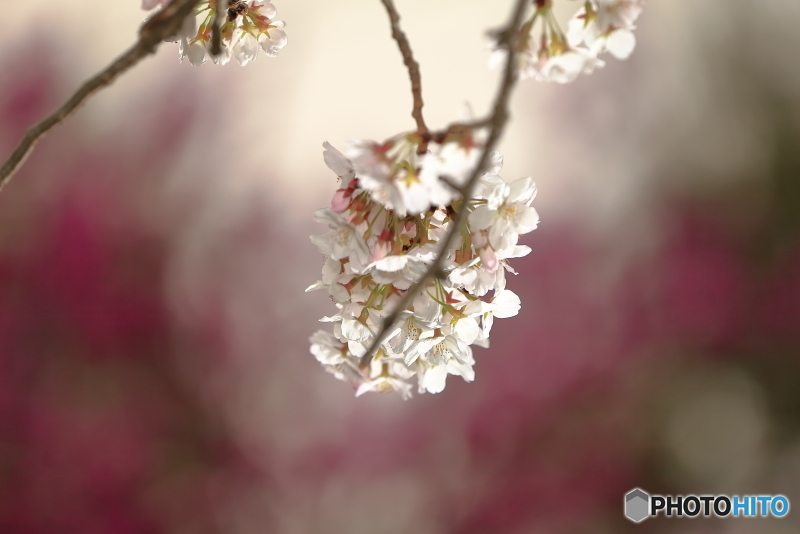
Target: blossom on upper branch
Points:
(247, 26)
(388, 221)
(606, 25)
(554, 56)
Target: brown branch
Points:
(216, 35)
(413, 70)
(456, 128)
(163, 24)
(497, 123)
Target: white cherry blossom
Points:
(387, 228)
(606, 26)
(246, 26)
(344, 239)
(507, 214)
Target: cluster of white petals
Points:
(247, 26)
(387, 224)
(554, 56)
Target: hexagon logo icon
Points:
(637, 505)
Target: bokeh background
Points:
(154, 367)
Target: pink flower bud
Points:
(382, 249)
(489, 259)
(340, 200)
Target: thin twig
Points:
(497, 124)
(161, 25)
(413, 69)
(441, 136)
(216, 36)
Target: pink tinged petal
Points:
(489, 259)
(381, 250)
(339, 202)
(479, 240)
(507, 304)
(147, 5)
(621, 43)
(482, 218)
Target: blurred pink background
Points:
(154, 366)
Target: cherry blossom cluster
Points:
(388, 222)
(246, 26)
(547, 53)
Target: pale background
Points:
(154, 373)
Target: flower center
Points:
(343, 235)
(508, 211)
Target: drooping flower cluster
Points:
(247, 25)
(554, 56)
(388, 222)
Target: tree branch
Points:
(440, 136)
(413, 69)
(216, 35)
(496, 124)
(163, 24)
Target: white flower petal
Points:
(507, 304)
(482, 218)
